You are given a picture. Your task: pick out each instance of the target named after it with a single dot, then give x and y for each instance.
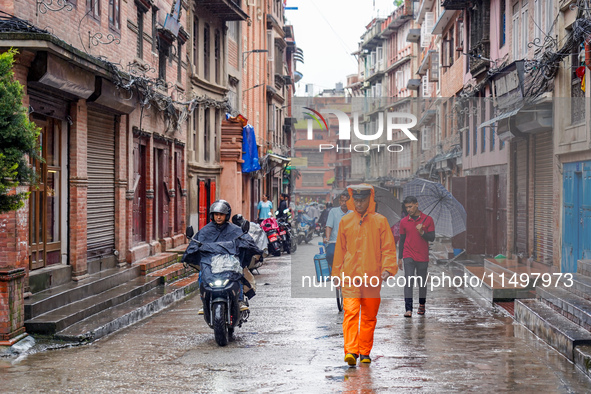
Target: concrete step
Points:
(180, 250)
(581, 286)
(155, 263)
(172, 273)
(556, 330)
(568, 304)
(60, 318)
(511, 266)
(583, 359)
(584, 267)
(494, 286)
(57, 297)
(130, 312)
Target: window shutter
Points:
(425, 138)
(427, 28)
(426, 87)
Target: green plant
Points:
(18, 138)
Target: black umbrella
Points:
(387, 204)
(434, 199)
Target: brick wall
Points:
(12, 310)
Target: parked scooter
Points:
(305, 227)
(220, 265)
(271, 227)
(285, 231)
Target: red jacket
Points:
(415, 246)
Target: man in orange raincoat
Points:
(365, 255)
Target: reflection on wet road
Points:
(295, 345)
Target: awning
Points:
(278, 159)
(500, 117)
(427, 115)
(425, 63)
(226, 10)
(330, 181)
(443, 21)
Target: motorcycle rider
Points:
(220, 229)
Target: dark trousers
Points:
(412, 269)
(330, 254)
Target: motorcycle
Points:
(272, 230)
(318, 230)
(220, 265)
(305, 228)
(285, 231)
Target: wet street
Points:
(295, 345)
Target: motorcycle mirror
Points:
(190, 232)
(245, 226)
(286, 211)
(276, 213)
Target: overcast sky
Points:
(328, 32)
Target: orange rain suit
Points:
(365, 246)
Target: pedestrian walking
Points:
(265, 209)
(332, 226)
(416, 231)
(283, 205)
(365, 248)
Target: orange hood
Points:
(372, 201)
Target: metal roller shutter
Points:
(543, 196)
(521, 225)
(101, 184)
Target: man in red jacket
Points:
(416, 231)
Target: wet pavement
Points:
(295, 345)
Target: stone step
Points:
(584, 267)
(60, 318)
(180, 250)
(571, 306)
(155, 263)
(172, 273)
(583, 359)
(493, 286)
(57, 297)
(130, 312)
(554, 329)
(581, 286)
(511, 266)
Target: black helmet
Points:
(238, 220)
(220, 206)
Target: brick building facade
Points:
(102, 81)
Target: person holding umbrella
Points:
(416, 231)
(365, 248)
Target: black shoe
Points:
(365, 359)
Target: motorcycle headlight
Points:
(219, 283)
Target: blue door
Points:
(576, 215)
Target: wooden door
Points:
(44, 200)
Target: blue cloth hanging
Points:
(250, 153)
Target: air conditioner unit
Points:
(251, 2)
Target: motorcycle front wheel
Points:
(220, 330)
